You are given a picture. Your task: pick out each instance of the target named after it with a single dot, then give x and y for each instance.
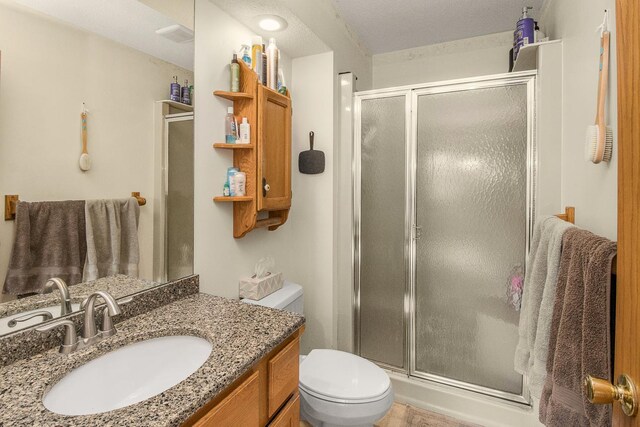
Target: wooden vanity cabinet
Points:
(266, 161)
(266, 395)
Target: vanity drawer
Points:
(290, 414)
(283, 375)
(240, 408)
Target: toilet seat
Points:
(340, 377)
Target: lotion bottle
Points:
(235, 74)
(245, 132)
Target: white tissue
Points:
(264, 267)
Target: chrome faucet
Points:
(90, 333)
(65, 303)
(70, 342)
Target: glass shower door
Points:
(380, 229)
(179, 197)
(471, 202)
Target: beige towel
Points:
(537, 300)
(580, 339)
(49, 242)
(112, 238)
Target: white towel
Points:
(112, 238)
(537, 301)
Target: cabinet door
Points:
(290, 414)
(274, 150)
(240, 408)
(283, 371)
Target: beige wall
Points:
(48, 70)
(471, 57)
(592, 189)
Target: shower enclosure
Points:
(443, 203)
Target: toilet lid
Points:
(342, 377)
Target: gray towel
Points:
(112, 238)
(49, 242)
(580, 339)
(537, 300)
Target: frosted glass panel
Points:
(180, 200)
(471, 205)
(382, 268)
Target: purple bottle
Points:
(186, 93)
(174, 94)
(524, 33)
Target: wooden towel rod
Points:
(11, 201)
(569, 215)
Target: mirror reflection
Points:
(96, 124)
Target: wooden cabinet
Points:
(234, 410)
(266, 160)
(267, 394)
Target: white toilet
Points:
(336, 388)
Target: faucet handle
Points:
(70, 342)
(107, 329)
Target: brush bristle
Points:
(608, 145)
(591, 143)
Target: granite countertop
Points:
(240, 333)
(119, 286)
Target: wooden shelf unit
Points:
(269, 114)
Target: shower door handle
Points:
(417, 232)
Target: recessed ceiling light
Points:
(271, 22)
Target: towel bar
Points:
(11, 201)
(569, 215)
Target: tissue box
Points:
(256, 288)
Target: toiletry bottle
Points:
(235, 74)
(264, 66)
(256, 56)
(240, 181)
(174, 95)
(231, 172)
(186, 93)
(524, 32)
(225, 189)
(272, 65)
(246, 55)
(230, 127)
(245, 132)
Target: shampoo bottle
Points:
(264, 66)
(256, 56)
(245, 132)
(174, 94)
(272, 65)
(246, 55)
(524, 33)
(230, 127)
(186, 93)
(235, 74)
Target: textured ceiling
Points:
(128, 22)
(388, 25)
(295, 41)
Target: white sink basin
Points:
(54, 310)
(128, 375)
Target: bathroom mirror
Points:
(96, 74)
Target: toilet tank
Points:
(289, 298)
